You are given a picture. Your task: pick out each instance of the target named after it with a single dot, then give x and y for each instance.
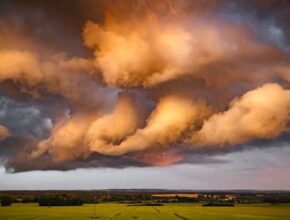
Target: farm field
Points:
(168, 211)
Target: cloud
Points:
(166, 48)
(165, 126)
(126, 119)
(4, 133)
(262, 113)
(139, 83)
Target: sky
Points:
(244, 170)
(144, 94)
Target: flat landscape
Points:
(166, 212)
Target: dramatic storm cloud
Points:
(139, 82)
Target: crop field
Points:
(166, 212)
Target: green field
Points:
(168, 211)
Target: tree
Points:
(6, 201)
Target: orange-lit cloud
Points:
(262, 113)
(152, 82)
(4, 133)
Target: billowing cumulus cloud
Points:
(66, 140)
(139, 83)
(262, 113)
(166, 51)
(166, 125)
(111, 129)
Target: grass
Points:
(167, 212)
